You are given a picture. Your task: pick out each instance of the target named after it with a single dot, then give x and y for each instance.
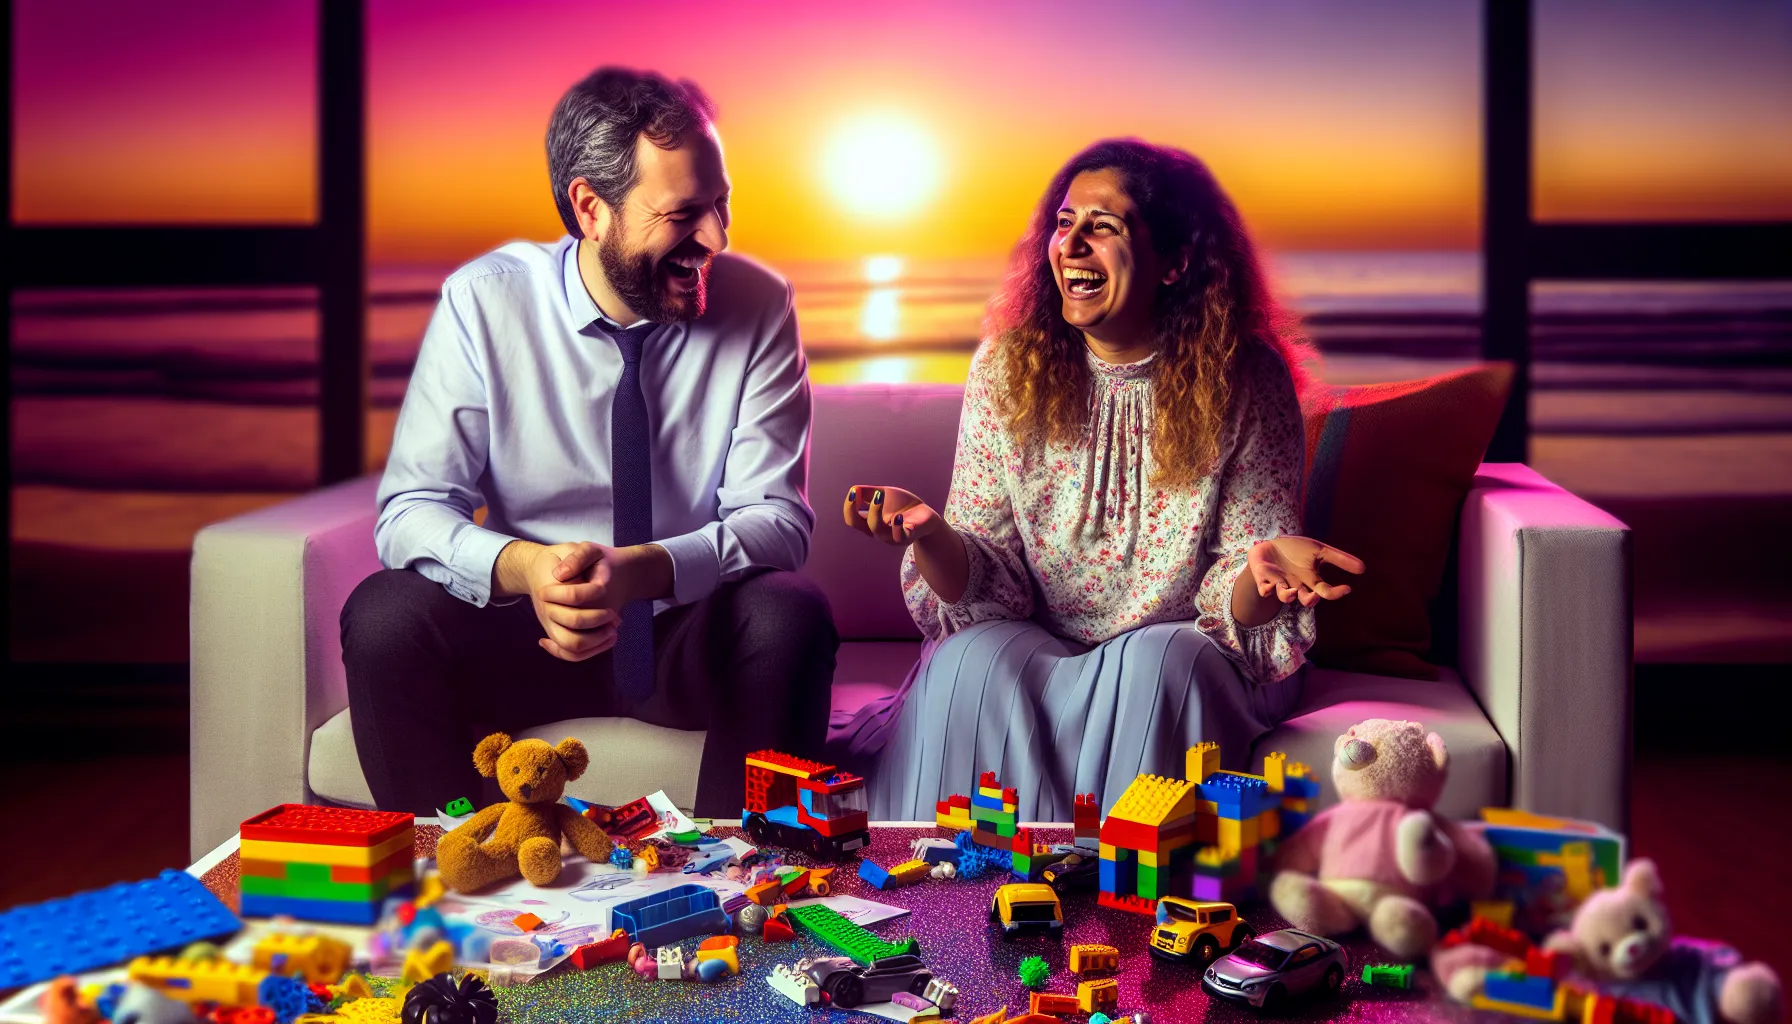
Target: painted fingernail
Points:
(852, 494)
(877, 497)
(899, 519)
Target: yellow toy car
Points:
(1021, 905)
(1187, 930)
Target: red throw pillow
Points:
(1388, 468)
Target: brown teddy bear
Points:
(1381, 858)
(1622, 941)
(522, 836)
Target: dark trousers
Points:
(430, 675)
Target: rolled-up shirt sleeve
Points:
(430, 489)
(763, 514)
(998, 584)
(1258, 500)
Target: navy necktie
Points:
(631, 487)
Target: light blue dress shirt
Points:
(509, 407)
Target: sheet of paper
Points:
(671, 818)
(574, 910)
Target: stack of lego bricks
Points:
(325, 863)
(1149, 831)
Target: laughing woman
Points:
(1117, 573)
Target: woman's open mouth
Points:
(1080, 283)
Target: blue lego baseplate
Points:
(108, 926)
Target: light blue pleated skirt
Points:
(1053, 718)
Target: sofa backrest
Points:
(901, 435)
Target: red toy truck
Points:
(804, 805)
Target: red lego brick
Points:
(1010, 796)
(1541, 963)
(1132, 904)
(325, 826)
(591, 954)
(1482, 932)
(801, 767)
(987, 781)
(1132, 835)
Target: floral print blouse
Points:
(1077, 538)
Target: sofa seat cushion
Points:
(1334, 700)
(628, 759)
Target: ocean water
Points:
(215, 390)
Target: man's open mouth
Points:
(685, 268)
(1081, 283)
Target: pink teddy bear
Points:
(1381, 857)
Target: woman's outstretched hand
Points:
(1288, 568)
(889, 514)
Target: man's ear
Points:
(486, 754)
(572, 754)
(594, 215)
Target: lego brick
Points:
(1135, 835)
(593, 953)
(1202, 760)
(1131, 904)
(1053, 1003)
(334, 911)
(826, 925)
(992, 840)
(198, 981)
(1147, 884)
(1388, 975)
(785, 764)
(1523, 989)
(1237, 834)
(359, 892)
(1540, 963)
(1495, 911)
(310, 853)
(319, 958)
(1086, 957)
(1292, 822)
(794, 985)
(1555, 1011)
(1101, 995)
(1153, 800)
(326, 826)
(670, 915)
(93, 929)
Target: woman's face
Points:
(1103, 260)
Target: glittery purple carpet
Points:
(951, 921)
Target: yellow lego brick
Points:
(1206, 807)
(1216, 856)
(320, 959)
(1106, 851)
(319, 853)
(1153, 799)
(959, 820)
(992, 792)
(910, 871)
(1102, 994)
(423, 964)
(198, 981)
(1275, 764)
(1238, 835)
(1203, 759)
(1497, 911)
(1296, 770)
(1294, 804)
(1093, 956)
(1556, 1012)
(372, 1010)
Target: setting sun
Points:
(882, 166)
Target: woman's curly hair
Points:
(1204, 320)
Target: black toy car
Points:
(846, 984)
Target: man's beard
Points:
(645, 285)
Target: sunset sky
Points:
(1334, 125)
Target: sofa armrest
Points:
(268, 587)
(1545, 608)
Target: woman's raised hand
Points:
(1288, 567)
(890, 514)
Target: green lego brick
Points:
(352, 892)
(826, 925)
(1147, 886)
(1388, 975)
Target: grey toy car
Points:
(846, 984)
(1269, 970)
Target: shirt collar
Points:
(579, 303)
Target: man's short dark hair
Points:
(592, 134)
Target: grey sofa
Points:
(1536, 714)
